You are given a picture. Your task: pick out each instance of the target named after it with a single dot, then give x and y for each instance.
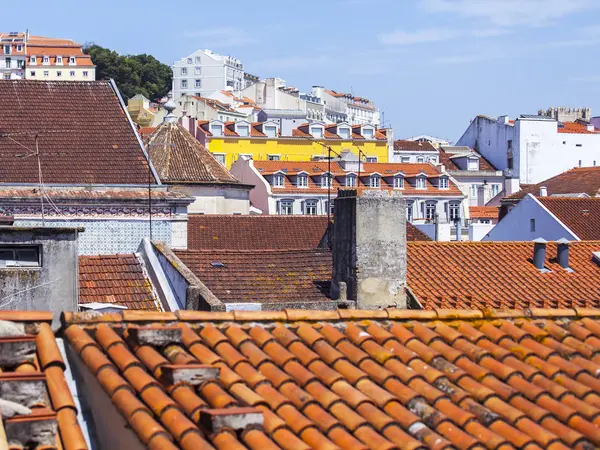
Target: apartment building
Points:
(13, 56)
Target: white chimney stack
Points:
(543, 191)
(591, 127)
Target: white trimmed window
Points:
(220, 157)
(59, 73)
(302, 181)
(85, 73)
(399, 182)
(184, 71)
(59, 60)
(371, 159)
(420, 159)
(189, 60)
(454, 211)
(375, 181)
(278, 180)
(243, 130)
(351, 180)
(33, 60)
(316, 132)
(198, 60)
(405, 159)
(19, 48)
(286, 207)
(421, 182)
(271, 131)
(216, 130)
(310, 208)
(430, 208)
(326, 180)
(198, 83)
(20, 256)
(495, 189)
(7, 49)
(409, 211)
(274, 157)
(443, 183)
(367, 133)
(72, 60)
(197, 71)
(46, 60)
(473, 164)
(183, 84)
(46, 73)
(344, 133)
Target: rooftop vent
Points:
(543, 191)
(539, 253)
(562, 253)
(284, 170)
(217, 264)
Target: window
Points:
(243, 130)
(331, 207)
(71, 60)
(184, 84)
(32, 73)
(7, 49)
(59, 73)
(375, 181)
(399, 182)
(454, 211)
(7, 62)
(409, 211)
(198, 60)
(510, 162)
(317, 132)
(32, 60)
(302, 181)
(278, 180)
(216, 130)
(286, 207)
(367, 133)
(371, 159)
(351, 180)
(405, 159)
(421, 183)
(326, 180)
(220, 157)
(495, 189)
(198, 83)
(509, 144)
(271, 131)
(310, 208)
(72, 73)
(578, 145)
(472, 164)
(19, 48)
(197, 71)
(485, 221)
(430, 208)
(6, 75)
(473, 190)
(344, 133)
(443, 183)
(184, 71)
(46, 60)
(46, 73)
(17, 256)
(85, 73)
(420, 159)
(59, 60)
(189, 60)
(532, 225)
(273, 157)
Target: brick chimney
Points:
(369, 248)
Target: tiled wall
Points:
(109, 236)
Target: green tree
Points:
(134, 74)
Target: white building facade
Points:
(533, 148)
(204, 72)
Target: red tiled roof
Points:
(446, 161)
(574, 181)
(576, 128)
(581, 215)
(414, 234)
(265, 276)
(254, 232)
(84, 136)
(413, 146)
(501, 275)
(178, 157)
(355, 379)
(33, 377)
(81, 193)
(483, 212)
(117, 279)
(144, 132)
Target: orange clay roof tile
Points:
(371, 379)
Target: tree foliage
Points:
(134, 74)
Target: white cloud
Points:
(400, 37)
(222, 37)
(510, 13)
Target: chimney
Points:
(591, 127)
(543, 191)
(511, 185)
(369, 248)
(539, 253)
(562, 253)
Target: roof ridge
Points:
(300, 315)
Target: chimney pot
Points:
(562, 253)
(539, 253)
(543, 191)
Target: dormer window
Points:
(375, 181)
(443, 183)
(367, 133)
(317, 132)
(351, 180)
(473, 164)
(278, 180)
(326, 180)
(33, 60)
(19, 48)
(46, 60)
(243, 130)
(398, 182)
(271, 131)
(72, 60)
(420, 159)
(302, 181)
(216, 130)
(344, 133)
(421, 182)
(59, 60)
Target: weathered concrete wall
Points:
(53, 285)
(369, 248)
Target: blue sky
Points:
(429, 65)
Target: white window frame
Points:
(184, 84)
(71, 73)
(15, 262)
(405, 159)
(198, 60)
(286, 207)
(375, 181)
(473, 190)
(278, 180)
(312, 206)
(371, 130)
(46, 60)
(345, 130)
(372, 159)
(46, 73)
(270, 131)
(213, 127)
(421, 182)
(85, 73)
(197, 71)
(273, 157)
(32, 60)
(246, 129)
(72, 61)
(183, 71)
(420, 159)
(443, 183)
(453, 211)
(326, 180)
(430, 208)
(220, 157)
(409, 211)
(351, 180)
(189, 60)
(32, 73)
(321, 132)
(198, 83)
(59, 73)
(19, 47)
(302, 180)
(495, 189)
(398, 182)
(59, 60)
(7, 49)
(474, 161)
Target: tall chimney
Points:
(543, 191)
(539, 253)
(562, 253)
(511, 184)
(369, 248)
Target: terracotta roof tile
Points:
(473, 275)
(438, 381)
(581, 215)
(413, 146)
(578, 180)
(483, 212)
(84, 136)
(577, 128)
(117, 279)
(414, 234)
(446, 161)
(267, 276)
